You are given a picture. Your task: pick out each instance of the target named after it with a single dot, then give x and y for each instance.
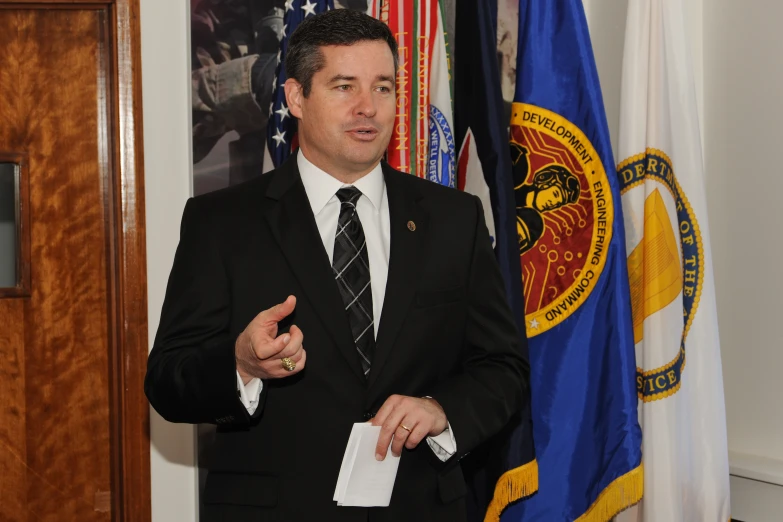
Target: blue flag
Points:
(281, 128)
(504, 469)
(571, 240)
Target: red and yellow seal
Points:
(564, 214)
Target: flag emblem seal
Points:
(565, 214)
(440, 164)
(673, 264)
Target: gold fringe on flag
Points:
(622, 493)
(513, 485)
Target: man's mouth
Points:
(364, 133)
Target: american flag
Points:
(281, 129)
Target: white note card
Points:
(364, 481)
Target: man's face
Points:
(549, 199)
(345, 124)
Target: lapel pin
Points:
(411, 226)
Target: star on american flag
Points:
(309, 8)
(279, 138)
(283, 112)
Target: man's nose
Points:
(365, 105)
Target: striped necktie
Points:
(351, 268)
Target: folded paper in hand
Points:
(364, 481)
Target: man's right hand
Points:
(259, 351)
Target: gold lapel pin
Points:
(411, 226)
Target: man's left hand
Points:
(409, 420)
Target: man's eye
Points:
(343, 87)
(384, 89)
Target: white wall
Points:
(166, 84)
(739, 76)
(744, 74)
(743, 79)
(606, 21)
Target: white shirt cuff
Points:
(249, 393)
(444, 445)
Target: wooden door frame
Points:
(130, 429)
(127, 257)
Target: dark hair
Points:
(559, 176)
(336, 27)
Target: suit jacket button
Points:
(368, 415)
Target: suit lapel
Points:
(407, 247)
(291, 220)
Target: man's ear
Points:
(294, 96)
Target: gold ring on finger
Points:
(403, 426)
(288, 364)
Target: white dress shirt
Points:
(373, 209)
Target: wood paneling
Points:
(13, 443)
(131, 426)
(74, 421)
(74, 429)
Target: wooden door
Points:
(74, 442)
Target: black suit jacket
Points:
(445, 331)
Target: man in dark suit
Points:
(391, 279)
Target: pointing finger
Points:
(278, 312)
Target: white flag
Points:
(679, 379)
(436, 162)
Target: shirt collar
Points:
(320, 186)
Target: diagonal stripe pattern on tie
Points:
(351, 268)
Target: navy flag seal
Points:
(667, 262)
